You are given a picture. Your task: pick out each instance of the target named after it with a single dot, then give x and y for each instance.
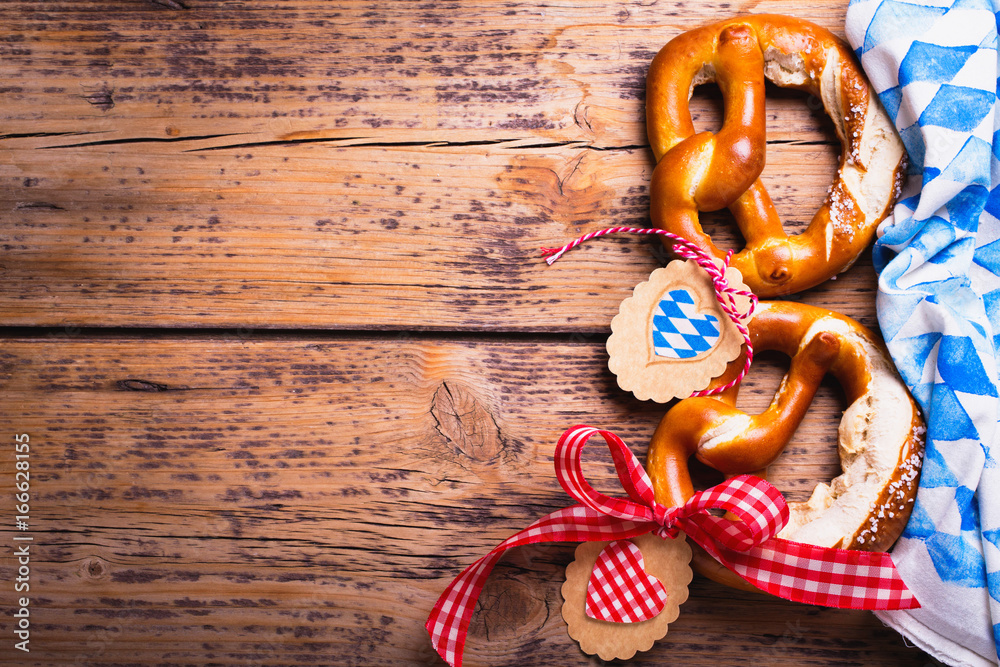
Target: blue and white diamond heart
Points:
(679, 331)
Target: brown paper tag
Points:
(671, 337)
(667, 560)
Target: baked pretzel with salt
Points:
(708, 172)
(880, 438)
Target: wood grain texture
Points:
(348, 165)
(273, 315)
(283, 501)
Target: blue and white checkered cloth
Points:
(934, 65)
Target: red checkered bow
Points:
(748, 547)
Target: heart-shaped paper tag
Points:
(679, 330)
(665, 559)
(671, 337)
(620, 590)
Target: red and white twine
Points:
(725, 294)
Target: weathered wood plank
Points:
(162, 169)
(342, 237)
(279, 500)
(567, 70)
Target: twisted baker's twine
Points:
(725, 294)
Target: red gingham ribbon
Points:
(725, 294)
(794, 571)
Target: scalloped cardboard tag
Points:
(672, 337)
(666, 559)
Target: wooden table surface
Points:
(275, 322)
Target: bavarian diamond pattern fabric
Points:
(934, 65)
(679, 330)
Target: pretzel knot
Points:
(708, 172)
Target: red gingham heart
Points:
(620, 590)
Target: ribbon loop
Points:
(635, 481)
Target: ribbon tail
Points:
(448, 622)
(828, 577)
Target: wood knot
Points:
(132, 384)
(508, 608)
(468, 426)
(94, 568)
(170, 4)
(575, 185)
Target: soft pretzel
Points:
(707, 172)
(881, 434)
